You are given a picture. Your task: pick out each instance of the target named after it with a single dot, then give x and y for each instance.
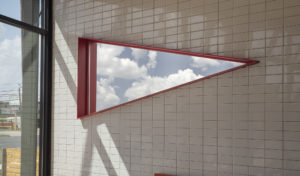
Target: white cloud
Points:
(2, 30)
(150, 85)
(106, 94)
(109, 64)
(234, 64)
(203, 63)
(138, 53)
(10, 65)
(152, 59)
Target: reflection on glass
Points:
(19, 101)
(125, 73)
(27, 11)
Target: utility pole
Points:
(20, 98)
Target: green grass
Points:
(6, 115)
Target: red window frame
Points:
(87, 73)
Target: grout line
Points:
(217, 79)
(130, 138)
(152, 148)
(282, 91)
(202, 128)
(265, 74)
(232, 93)
(203, 51)
(203, 43)
(164, 129)
(152, 44)
(176, 126)
(141, 142)
(177, 5)
(217, 130)
(190, 46)
(189, 126)
(142, 10)
(248, 77)
(232, 120)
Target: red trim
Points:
(82, 103)
(162, 175)
(246, 63)
(171, 51)
(93, 77)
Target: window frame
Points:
(87, 73)
(46, 80)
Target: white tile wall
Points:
(245, 122)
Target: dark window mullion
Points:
(22, 25)
(46, 89)
(46, 80)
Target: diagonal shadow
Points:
(92, 128)
(86, 159)
(66, 73)
(29, 55)
(86, 165)
(103, 154)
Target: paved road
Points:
(11, 142)
(10, 133)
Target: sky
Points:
(125, 73)
(10, 53)
(10, 8)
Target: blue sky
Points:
(10, 8)
(132, 74)
(125, 73)
(10, 62)
(10, 53)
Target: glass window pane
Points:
(127, 73)
(27, 11)
(19, 101)
(11, 9)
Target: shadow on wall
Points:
(101, 153)
(177, 29)
(116, 144)
(111, 159)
